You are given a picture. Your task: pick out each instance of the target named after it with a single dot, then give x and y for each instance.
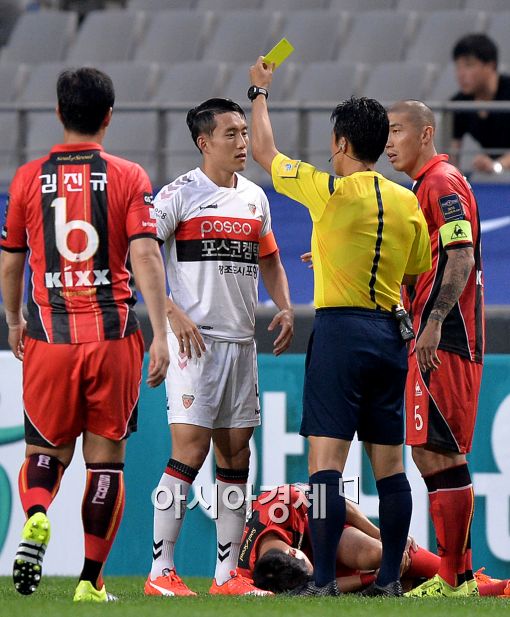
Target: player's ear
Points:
(108, 118)
(202, 143)
(428, 134)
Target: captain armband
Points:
(456, 232)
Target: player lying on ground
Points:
(276, 549)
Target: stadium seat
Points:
(316, 35)
(8, 147)
(445, 85)
(174, 36)
(191, 82)
(41, 36)
(294, 5)
(429, 5)
(286, 130)
(327, 81)
(487, 5)
(134, 136)
(319, 139)
(227, 5)
(241, 36)
(107, 36)
(440, 31)
(160, 5)
(181, 153)
(12, 77)
(361, 5)
(499, 30)
(238, 83)
(41, 83)
(43, 131)
(377, 36)
(392, 81)
(133, 82)
(10, 10)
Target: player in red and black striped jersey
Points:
(76, 210)
(445, 362)
(84, 217)
(276, 549)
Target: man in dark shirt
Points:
(476, 67)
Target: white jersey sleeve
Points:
(168, 209)
(266, 215)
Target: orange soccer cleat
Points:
(237, 586)
(167, 585)
(489, 586)
(506, 592)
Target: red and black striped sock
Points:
(39, 481)
(102, 509)
(451, 507)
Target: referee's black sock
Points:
(395, 508)
(325, 531)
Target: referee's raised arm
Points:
(262, 140)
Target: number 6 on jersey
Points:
(63, 228)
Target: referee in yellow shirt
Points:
(369, 236)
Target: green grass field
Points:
(54, 599)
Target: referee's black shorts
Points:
(355, 375)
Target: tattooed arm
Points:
(458, 268)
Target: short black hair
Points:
(278, 572)
(84, 97)
(364, 123)
(201, 119)
(480, 46)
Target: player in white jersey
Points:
(216, 226)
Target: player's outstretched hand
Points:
(306, 258)
(16, 339)
(159, 361)
(426, 347)
(261, 74)
(284, 319)
(186, 332)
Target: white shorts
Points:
(218, 390)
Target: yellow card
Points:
(280, 52)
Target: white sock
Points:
(168, 522)
(229, 529)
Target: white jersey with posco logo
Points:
(211, 236)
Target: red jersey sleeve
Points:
(141, 218)
(14, 233)
(450, 208)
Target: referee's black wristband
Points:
(254, 91)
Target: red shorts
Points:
(441, 405)
(69, 389)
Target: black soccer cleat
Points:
(391, 590)
(27, 568)
(311, 589)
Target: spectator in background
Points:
(476, 67)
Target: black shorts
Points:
(356, 367)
